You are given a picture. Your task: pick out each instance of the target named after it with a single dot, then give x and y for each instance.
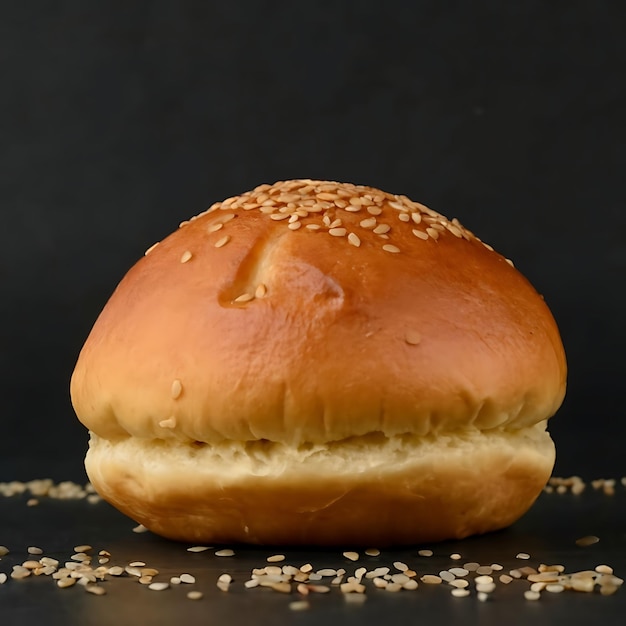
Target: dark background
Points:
(120, 119)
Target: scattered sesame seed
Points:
(3, 578)
(505, 579)
(198, 548)
(186, 256)
(213, 228)
(431, 579)
(425, 552)
(294, 225)
(137, 564)
(3, 551)
(161, 586)
(532, 595)
(370, 222)
(420, 234)
(34, 550)
(276, 558)
(460, 593)
(372, 552)
(260, 291)
(299, 605)
(374, 210)
(404, 217)
(351, 556)
(522, 555)
(225, 552)
(32, 502)
(588, 540)
(194, 595)
(96, 590)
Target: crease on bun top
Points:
(312, 311)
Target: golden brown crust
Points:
(346, 340)
(306, 314)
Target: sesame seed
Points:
(532, 595)
(404, 217)
(213, 228)
(158, 586)
(425, 552)
(589, 540)
(390, 248)
(372, 552)
(225, 552)
(431, 579)
(187, 579)
(34, 550)
(523, 555)
(222, 242)
(3, 551)
(64, 583)
(244, 297)
(96, 590)
(459, 583)
(413, 338)
(186, 256)
(381, 229)
(176, 389)
(416, 217)
(3, 578)
(505, 579)
(151, 248)
(83, 548)
(276, 558)
(370, 222)
(194, 595)
(374, 210)
(351, 556)
(140, 528)
(337, 232)
(420, 234)
(313, 226)
(397, 206)
(458, 571)
(354, 239)
(352, 209)
(299, 605)
(198, 549)
(327, 196)
(335, 223)
(604, 569)
(460, 593)
(260, 291)
(294, 225)
(433, 233)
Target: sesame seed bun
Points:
(321, 363)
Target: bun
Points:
(321, 363)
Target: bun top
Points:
(311, 311)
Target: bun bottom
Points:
(365, 491)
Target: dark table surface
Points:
(548, 533)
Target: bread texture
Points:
(321, 363)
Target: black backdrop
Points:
(120, 119)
